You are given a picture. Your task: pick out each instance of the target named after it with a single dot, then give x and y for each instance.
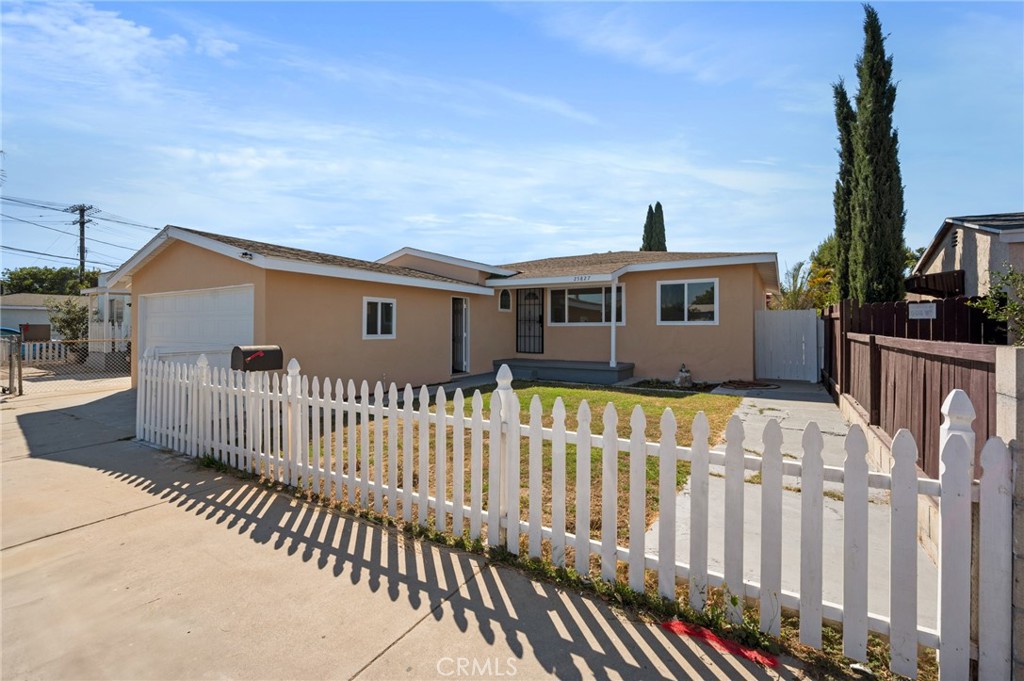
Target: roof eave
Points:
(447, 259)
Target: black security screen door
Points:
(530, 320)
(459, 329)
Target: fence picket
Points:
(855, 541)
(364, 445)
(609, 492)
(424, 437)
(637, 498)
(667, 465)
(771, 529)
(536, 446)
(378, 447)
(811, 533)
(698, 511)
(513, 480)
(476, 447)
(955, 559)
(408, 451)
(903, 556)
(440, 459)
(583, 489)
(494, 456)
(352, 423)
(315, 444)
(302, 451)
(733, 557)
(558, 483)
(458, 462)
(995, 562)
(393, 451)
(327, 432)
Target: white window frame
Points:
(550, 310)
(394, 319)
(669, 282)
(502, 292)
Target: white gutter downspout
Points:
(615, 286)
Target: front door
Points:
(530, 320)
(460, 335)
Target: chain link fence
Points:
(74, 366)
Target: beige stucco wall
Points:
(184, 267)
(712, 353)
(976, 253)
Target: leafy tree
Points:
(877, 216)
(658, 235)
(910, 258)
(68, 318)
(794, 293)
(1005, 302)
(645, 245)
(843, 193)
(61, 281)
(821, 280)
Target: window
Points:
(379, 318)
(505, 300)
(688, 302)
(586, 306)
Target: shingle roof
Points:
(36, 299)
(298, 254)
(605, 263)
(996, 221)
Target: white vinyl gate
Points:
(786, 345)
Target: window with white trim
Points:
(689, 301)
(586, 306)
(505, 300)
(378, 318)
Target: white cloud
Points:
(215, 47)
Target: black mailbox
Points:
(257, 357)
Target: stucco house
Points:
(421, 317)
(964, 252)
(30, 308)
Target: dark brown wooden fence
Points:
(901, 383)
(900, 370)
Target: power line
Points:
(36, 203)
(53, 229)
(51, 255)
(126, 222)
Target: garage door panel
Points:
(181, 325)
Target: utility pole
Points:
(81, 209)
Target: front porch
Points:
(569, 371)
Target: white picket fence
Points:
(326, 437)
(44, 352)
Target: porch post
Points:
(615, 284)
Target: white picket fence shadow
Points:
(265, 425)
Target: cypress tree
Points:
(658, 234)
(877, 215)
(645, 245)
(841, 197)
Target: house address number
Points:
(581, 277)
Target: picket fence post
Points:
(294, 436)
(509, 436)
(197, 429)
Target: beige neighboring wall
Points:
(181, 266)
(976, 252)
(711, 352)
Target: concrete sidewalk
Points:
(795, 404)
(121, 561)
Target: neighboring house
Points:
(30, 308)
(421, 317)
(964, 252)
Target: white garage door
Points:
(180, 326)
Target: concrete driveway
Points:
(121, 561)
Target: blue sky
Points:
(495, 132)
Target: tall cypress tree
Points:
(645, 245)
(658, 235)
(877, 215)
(841, 197)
